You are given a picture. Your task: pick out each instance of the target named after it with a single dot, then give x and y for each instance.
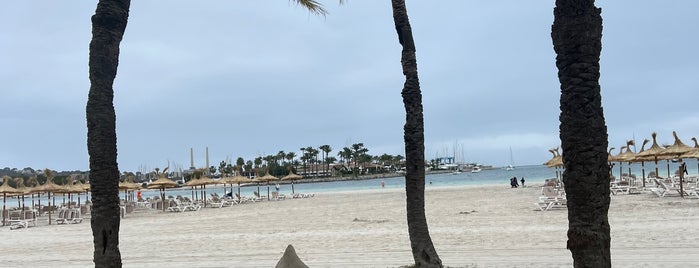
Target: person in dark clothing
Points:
(522, 181)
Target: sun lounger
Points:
(62, 217)
(277, 196)
(550, 199)
(665, 190)
(75, 216)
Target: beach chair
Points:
(175, 206)
(62, 217)
(550, 198)
(74, 216)
(244, 199)
(15, 221)
(256, 197)
(619, 187)
(30, 217)
(215, 202)
(665, 190)
(277, 196)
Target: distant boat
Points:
(456, 172)
(511, 166)
(475, 169)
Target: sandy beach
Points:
(471, 226)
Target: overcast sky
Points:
(250, 78)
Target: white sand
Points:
(502, 229)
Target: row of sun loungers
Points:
(666, 189)
(553, 196)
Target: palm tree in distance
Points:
(108, 26)
(577, 40)
(423, 250)
(326, 149)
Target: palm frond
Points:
(312, 6)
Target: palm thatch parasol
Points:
(202, 182)
(161, 183)
(652, 153)
(24, 190)
(676, 150)
(5, 189)
(267, 178)
(128, 185)
(70, 189)
(49, 187)
(193, 183)
(292, 176)
(616, 158)
(633, 158)
(236, 180)
(694, 154)
(81, 186)
(628, 155)
(556, 161)
(33, 184)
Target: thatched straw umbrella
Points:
(267, 178)
(236, 180)
(162, 183)
(193, 183)
(33, 184)
(617, 158)
(556, 161)
(5, 189)
(691, 155)
(70, 189)
(633, 158)
(292, 177)
(676, 150)
(49, 187)
(203, 181)
(652, 153)
(24, 190)
(81, 188)
(627, 156)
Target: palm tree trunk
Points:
(108, 25)
(423, 250)
(577, 40)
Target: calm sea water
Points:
(532, 174)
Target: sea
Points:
(533, 175)
(497, 176)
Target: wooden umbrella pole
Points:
(4, 209)
(49, 200)
(643, 172)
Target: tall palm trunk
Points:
(577, 40)
(424, 252)
(108, 25)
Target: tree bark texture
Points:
(108, 25)
(423, 250)
(577, 41)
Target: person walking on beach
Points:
(383, 184)
(522, 182)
